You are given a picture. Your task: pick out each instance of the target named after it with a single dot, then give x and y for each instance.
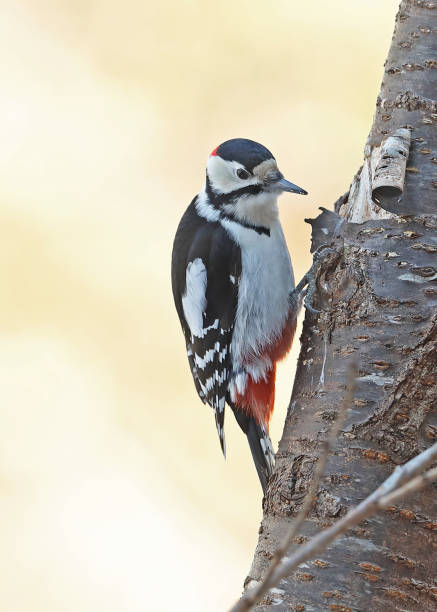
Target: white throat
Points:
(260, 209)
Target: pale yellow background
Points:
(114, 493)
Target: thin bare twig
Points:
(412, 485)
(402, 481)
(261, 589)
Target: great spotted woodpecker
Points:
(234, 291)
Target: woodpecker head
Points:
(243, 180)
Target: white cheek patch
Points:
(194, 298)
(222, 175)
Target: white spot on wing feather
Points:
(217, 376)
(207, 358)
(223, 354)
(194, 298)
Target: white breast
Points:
(265, 284)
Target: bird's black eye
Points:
(243, 174)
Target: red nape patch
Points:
(259, 397)
(214, 152)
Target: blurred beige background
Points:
(114, 492)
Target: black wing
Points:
(206, 266)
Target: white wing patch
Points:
(194, 298)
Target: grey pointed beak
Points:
(284, 185)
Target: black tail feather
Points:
(260, 446)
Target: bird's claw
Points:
(308, 304)
(311, 276)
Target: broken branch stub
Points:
(389, 177)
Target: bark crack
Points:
(408, 101)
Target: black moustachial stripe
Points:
(259, 229)
(219, 199)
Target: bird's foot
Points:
(310, 279)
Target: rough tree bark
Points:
(378, 297)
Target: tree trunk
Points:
(377, 295)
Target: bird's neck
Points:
(259, 210)
(251, 205)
